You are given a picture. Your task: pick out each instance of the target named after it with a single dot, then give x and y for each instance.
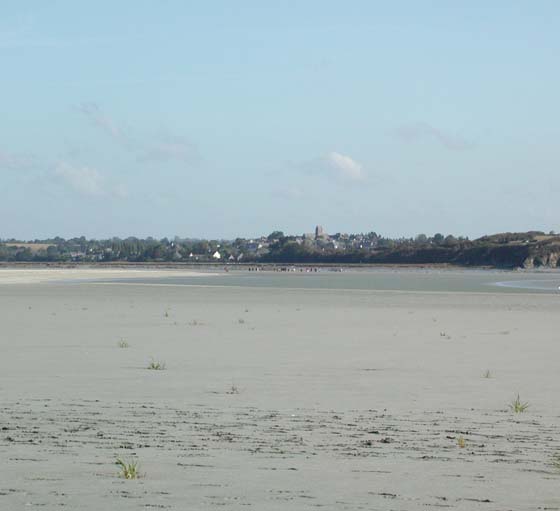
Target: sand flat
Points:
(39, 275)
(277, 399)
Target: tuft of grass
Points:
(241, 321)
(556, 461)
(461, 442)
(128, 470)
(234, 389)
(156, 365)
(518, 406)
(123, 344)
(166, 314)
(487, 374)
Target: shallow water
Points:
(416, 280)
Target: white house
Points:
(216, 255)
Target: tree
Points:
(438, 238)
(275, 235)
(450, 241)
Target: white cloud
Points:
(87, 181)
(84, 180)
(16, 161)
(157, 148)
(345, 167)
(170, 148)
(100, 119)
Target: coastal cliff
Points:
(506, 250)
(548, 258)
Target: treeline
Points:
(274, 247)
(464, 253)
(111, 250)
(506, 250)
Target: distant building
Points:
(216, 255)
(77, 256)
(319, 231)
(253, 247)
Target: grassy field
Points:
(34, 247)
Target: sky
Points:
(220, 119)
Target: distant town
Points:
(508, 250)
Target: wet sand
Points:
(277, 398)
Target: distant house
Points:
(253, 247)
(77, 256)
(216, 255)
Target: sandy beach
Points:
(38, 275)
(274, 398)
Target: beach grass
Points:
(518, 406)
(234, 389)
(128, 470)
(123, 344)
(156, 365)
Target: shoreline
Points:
(38, 275)
(261, 266)
(416, 280)
(29, 273)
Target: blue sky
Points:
(223, 119)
